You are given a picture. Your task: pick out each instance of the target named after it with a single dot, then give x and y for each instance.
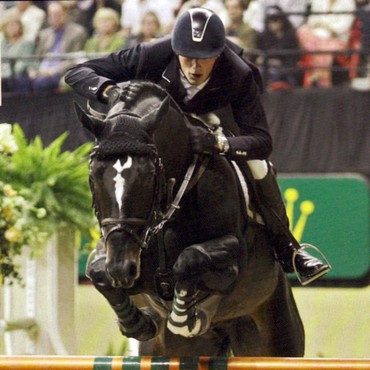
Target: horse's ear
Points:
(152, 119)
(94, 124)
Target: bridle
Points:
(157, 218)
(130, 225)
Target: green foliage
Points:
(41, 190)
(21, 225)
(57, 180)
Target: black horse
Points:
(175, 232)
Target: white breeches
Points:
(259, 168)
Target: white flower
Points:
(12, 234)
(41, 213)
(9, 191)
(7, 141)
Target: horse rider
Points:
(205, 73)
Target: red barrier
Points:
(183, 363)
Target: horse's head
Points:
(125, 174)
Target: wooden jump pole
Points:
(177, 363)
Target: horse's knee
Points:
(213, 265)
(95, 270)
(213, 255)
(191, 263)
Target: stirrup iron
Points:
(307, 280)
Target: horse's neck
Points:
(172, 142)
(172, 136)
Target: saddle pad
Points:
(250, 214)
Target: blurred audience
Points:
(101, 26)
(133, 11)
(363, 7)
(13, 44)
(83, 11)
(106, 37)
(150, 29)
(325, 32)
(236, 29)
(256, 12)
(33, 18)
(278, 36)
(218, 6)
(62, 36)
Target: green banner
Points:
(332, 213)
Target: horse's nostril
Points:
(132, 270)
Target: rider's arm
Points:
(253, 140)
(91, 78)
(144, 61)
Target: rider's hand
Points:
(112, 95)
(205, 142)
(202, 141)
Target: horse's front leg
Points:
(204, 272)
(141, 324)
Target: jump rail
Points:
(174, 363)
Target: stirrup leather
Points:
(306, 280)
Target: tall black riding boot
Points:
(290, 254)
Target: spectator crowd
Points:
(293, 42)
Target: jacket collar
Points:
(171, 74)
(171, 80)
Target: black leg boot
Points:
(290, 254)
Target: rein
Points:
(163, 277)
(176, 202)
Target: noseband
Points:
(123, 224)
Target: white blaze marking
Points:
(119, 180)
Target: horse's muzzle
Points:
(122, 278)
(122, 272)
(122, 264)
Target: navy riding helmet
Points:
(198, 33)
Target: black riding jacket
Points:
(234, 84)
